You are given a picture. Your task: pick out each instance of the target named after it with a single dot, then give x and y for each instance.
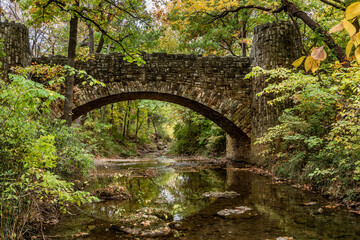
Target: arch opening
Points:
(228, 126)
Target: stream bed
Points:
(269, 209)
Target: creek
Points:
(277, 208)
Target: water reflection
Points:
(279, 208)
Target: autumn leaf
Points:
(308, 63)
(349, 27)
(298, 62)
(349, 47)
(319, 54)
(352, 11)
(356, 39)
(357, 54)
(336, 28)
(311, 64)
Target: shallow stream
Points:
(278, 209)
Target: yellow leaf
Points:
(298, 62)
(357, 54)
(307, 63)
(319, 54)
(315, 65)
(311, 64)
(336, 28)
(356, 39)
(349, 27)
(349, 47)
(352, 11)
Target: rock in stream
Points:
(112, 193)
(148, 222)
(238, 211)
(227, 194)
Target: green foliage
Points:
(200, 30)
(197, 135)
(124, 25)
(103, 139)
(128, 128)
(121, 129)
(74, 162)
(317, 139)
(30, 148)
(54, 76)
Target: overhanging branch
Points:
(293, 10)
(335, 5)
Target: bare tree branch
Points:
(226, 12)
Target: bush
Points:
(198, 135)
(30, 147)
(319, 134)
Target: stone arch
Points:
(214, 86)
(228, 126)
(238, 142)
(215, 82)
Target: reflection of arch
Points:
(228, 126)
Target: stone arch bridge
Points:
(213, 86)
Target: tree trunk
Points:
(91, 39)
(69, 83)
(101, 44)
(128, 121)
(243, 44)
(120, 125)
(108, 49)
(112, 116)
(78, 120)
(53, 49)
(103, 111)
(138, 126)
(155, 129)
(125, 119)
(296, 12)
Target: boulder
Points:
(112, 192)
(241, 210)
(227, 194)
(141, 224)
(158, 212)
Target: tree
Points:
(201, 33)
(190, 14)
(96, 14)
(317, 138)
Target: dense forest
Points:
(316, 141)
